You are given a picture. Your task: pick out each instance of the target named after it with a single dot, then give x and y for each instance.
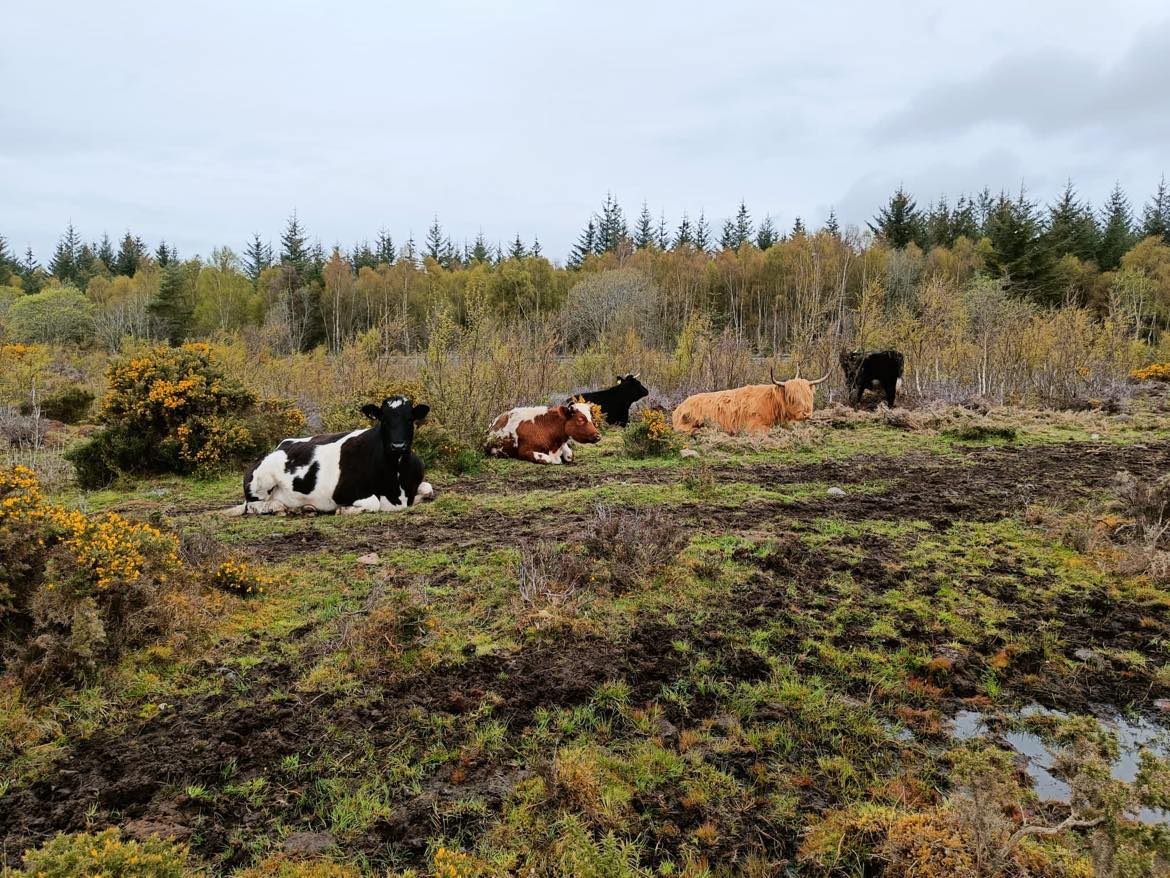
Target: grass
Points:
(793, 661)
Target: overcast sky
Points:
(201, 123)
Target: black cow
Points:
(368, 470)
(876, 370)
(615, 401)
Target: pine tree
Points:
(363, 257)
(162, 255)
(63, 265)
(131, 252)
(899, 223)
(535, 246)
(766, 235)
(435, 245)
(174, 306)
(105, 252)
(1156, 216)
(517, 250)
(985, 206)
(410, 251)
(663, 235)
(257, 257)
(798, 229)
(586, 245)
(611, 226)
(644, 232)
(1072, 227)
(727, 236)
(939, 231)
(384, 247)
(294, 246)
(702, 234)
(1116, 230)
(964, 222)
(684, 237)
(743, 225)
(31, 276)
(480, 252)
(1019, 252)
(832, 226)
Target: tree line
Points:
(769, 286)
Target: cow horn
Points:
(772, 375)
(822, 379)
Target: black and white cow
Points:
(877, 370)
(370, 470)
(615, 401)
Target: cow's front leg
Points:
(566, 452)
(366, 504)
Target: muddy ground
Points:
(138, 774)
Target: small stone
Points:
(1163, 704)
(666, 730)
(370, 560)
(835, 492)
(1087, 655)
(309, 843)
(688, 453)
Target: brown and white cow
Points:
(750, 409)
(541, 434)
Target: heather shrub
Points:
(635, 544)
(77, 590)
(650, 435)
(175, 410)
(90, 855)
(69, 405)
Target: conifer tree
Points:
(1072, 227)
(363, 257)
(644, 231)
(105, 252)
(798, 229)
(535, 246)
(743, 225)
(702, 234)
(832, 226)
(131, 252)
(684, 237)
(384, 247)
(517, 250)
(899, 223)
(663, 235)
(480, 252)
(162, 255)
(31, 276)
(174, 306)
(435, 245)
(1156, 215)
(611, 226)
(294, 246)
(586, 245)
(939, 231)
(766, 235)
(257, 257)
(7, 263)
(964, 222)
(727, 236)
(63, 265)
(1116, 230)
(410, 251)
(1019, 252)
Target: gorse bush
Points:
(650, 435)
(1153, 372)
(239, 578)
(76, 590)
(106, 855)
(175, 410)
(69, 405)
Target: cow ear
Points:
(620, 379)
(420, 412)
(372, 412)
(567, 411)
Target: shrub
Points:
(59, 314)
(1153, 372)
(87, 855)
(549, 576)
(174, 410)
(981, 433)
(68, 405)
(926, 846)
(636, 544)
(76, 589)
(240, 578)
(284, 866)
(650, 435)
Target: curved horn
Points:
(772, 375)
(822, 379)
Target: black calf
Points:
(877, 370)
(615, 401)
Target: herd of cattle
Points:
(375, 469)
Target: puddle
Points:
(1132, 738)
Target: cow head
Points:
(795, 397)
(579, 423)
(851, 361)
(632, 387)
(396, 416)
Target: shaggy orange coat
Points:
(750, 409)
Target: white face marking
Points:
(395, 403)
(583, 408)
